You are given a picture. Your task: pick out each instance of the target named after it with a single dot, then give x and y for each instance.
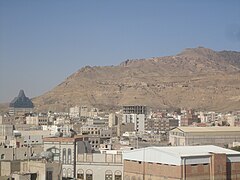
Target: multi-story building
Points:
(99, 166)
(74, 112)
(132, 109)
(65, 150)
(35, 170)
(112, 120)
(122, 128)
(188, 117)
(161, 125)
(37, 120)
(137, 119)
(96, 135)
(178, 163)
(84, 111)
(136, 115)
(13, 146)
(92, 130)
(34, 137)
(220, 136)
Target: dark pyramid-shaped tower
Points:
(21, 101)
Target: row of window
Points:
(108, 175)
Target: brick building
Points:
(183, 162)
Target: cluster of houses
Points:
(133, 143)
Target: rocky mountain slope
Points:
(197, 77)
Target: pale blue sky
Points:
(42, 42)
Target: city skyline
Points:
(42, 43)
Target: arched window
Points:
(89, 175)
(64, 172)
(80, 174)
(108, 175)
(69, 156)
(118, 175)
(64, 156)
(69, 173)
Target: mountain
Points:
(195, 78)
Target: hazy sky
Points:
(42, 42)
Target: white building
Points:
(99, 166)
(137, 119)
(74, 112)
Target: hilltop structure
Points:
(20, 105)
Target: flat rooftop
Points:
(209, 129)
(66, 139)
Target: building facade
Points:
(219, 136)
(65, 150)
(99, 166)
(181, 163)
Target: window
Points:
(89, 175)
(49, 175)
(2, 156)
(69, 173)
(118, 175)
(108, 175)
(64, 156)
(64, 172)
(69, 156)
(80, 174)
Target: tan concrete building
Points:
(99, 167)
(122, 128)
(8, 167)
(38, 170)
(65, 150)
(219, 136)
(161, 125)
(37, 120)
(182, 163)
(34, 137)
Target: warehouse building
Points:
(219, 136)
(182, 162)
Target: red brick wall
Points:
(137, 169)
(218, 167)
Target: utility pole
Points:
(144, 163)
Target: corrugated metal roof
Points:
(173, 155)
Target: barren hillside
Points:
(198, 77)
